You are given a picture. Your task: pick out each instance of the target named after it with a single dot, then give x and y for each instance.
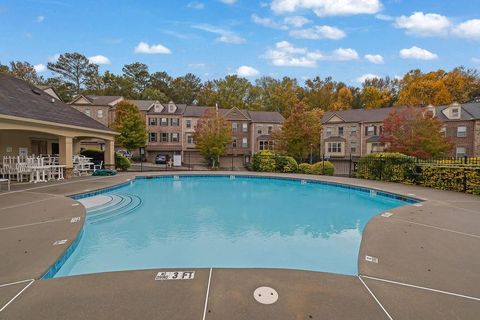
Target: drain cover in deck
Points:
(265, 295)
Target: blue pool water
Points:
(220, 222)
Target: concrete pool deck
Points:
(428, 265)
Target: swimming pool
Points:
(225, 221)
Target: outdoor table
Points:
(36, 170)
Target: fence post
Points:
(350, 166)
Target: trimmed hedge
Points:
(121, 162)
(321, 167)
(267, 161)
(96, 155)
(453, 175)
(393, 167)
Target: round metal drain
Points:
(265, 295)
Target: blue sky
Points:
(344, 39)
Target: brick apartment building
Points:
(357, 132)
(171, 127)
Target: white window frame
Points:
(188, 123)
(353, 147)
(353, 131)
(328, 131)
(100, 113)
(176, 135)
(244, 142)
(334, 147)
(244, 127)
(234, 127)
(88, 112)
(461, 133)
(152, 121)
(460, 154)
(152, 135)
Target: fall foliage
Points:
(415, 133)
(131, 126)
(212, 136)
(300, 133)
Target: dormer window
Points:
(455, 113)
(157, 107)
(172, 107)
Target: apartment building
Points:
(171, 127)
(357, 132)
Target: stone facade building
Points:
(357, 132)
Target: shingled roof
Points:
(21, 99)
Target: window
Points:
(353, 147)
(245, 127)
(455, 113)
(259, 129)
(265, 145)
(353, 131)
(174, 122)
(378, 147)
(270, 129)
(340, 131)
(443, 131)
(244, 142)
(87, 112)
(189, 139)
(334, 147)
(100, 113)
(462, 131)
(188, 123)
(164, 137)
(234, 142)
(152, 137)
(164, 122)
(234, 126)
(329, 131)
(370, 130)
(152, 121)
(175, 137)
(460, 152)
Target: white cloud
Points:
(228, 1)
(99, 59)
(469, 29)
(296, 21)
(54, 58)
(40, 19)
(476, 60)
(344, 54)
(226, 36)
(246, 71)
(196, 5)
(318, 32)
(40, 68)
(374, 58)
(328, 7)
(267, 22)
(286, 54)
(144, 47)
(424, 25)
(368, 76)
(384, 17)
(417, 53)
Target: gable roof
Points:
(21, 99)
(99, 100)
(143, 105)
(360, 115)
(266, 116)
(470, 111)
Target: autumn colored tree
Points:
(131, 126)
(212, 136)
(300, 133)
(344, 99)
(416, 133)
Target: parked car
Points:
(162, 158)
(125, 153)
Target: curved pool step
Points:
(121, 205)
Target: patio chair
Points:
(97, 166)
(7, 181)
(22, 171)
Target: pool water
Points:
(193, 222)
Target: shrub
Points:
(96, 155)
(450, 178)
(138, 158)
(264, 161)
(285, 164)
(322, 167)
(304, 168)
(393, 167)
(121, 162)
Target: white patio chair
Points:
(97, 166)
